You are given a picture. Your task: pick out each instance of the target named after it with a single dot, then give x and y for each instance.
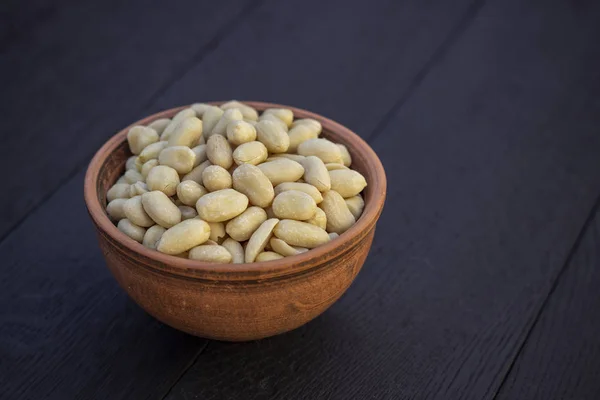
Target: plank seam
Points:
(437, 56)
(185, 370)
(568, 260)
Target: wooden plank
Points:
(102, 79)
(349, 60)
(560, 358)
(74, 80)
(67, 330)
(492, 167)
(55, 267)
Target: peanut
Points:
(252, 182)
(221, 205)
(184, 236)
(302, 234)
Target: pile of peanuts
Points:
(225, 185)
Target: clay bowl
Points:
(235, 302)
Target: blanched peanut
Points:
(252, 182)
(228, 116)
(186, 133)
(132, 230)
(303, 187)
(200, 153)
(346, 157)
(148, 165)
(312, 123)
(196, 173)
(275, 139)
(268, 256)
(219, 151)
(239, 132)
(139, 137)
(355, 204)
(266, 185)
(339, 218)
(189, 192)
(163, 178)
(282, 170)
(183, 236)
(297, 233)
(180, 158)
(347, 182)
(216, 178)
(151, 152)
(168, 131)
(152, 236)
(319, 219)
(131, 163)
(180, 116)
(118, 191)
(316, 174)
(217, 231)
(272, 118)
(137, 189)
(221, 205)
(184, 114)
(235, 248)
(132, 176)
(159, 125)
(161, 209)
(210, 253)
(187, 212)
(322, 148)
(294, 157)
(284, 114)
(250, 153)
(334, 166)
(115, 209)
(285, 249)
(299, 134)
(200, 108)
(211, 116)
(293, 204)
(247, 111)
(259, 239)
(243, 226)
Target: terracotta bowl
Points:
(235, 302)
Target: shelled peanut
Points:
(229, 185)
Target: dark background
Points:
(483, 278)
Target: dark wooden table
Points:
(483, 278)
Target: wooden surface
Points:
(481, 282)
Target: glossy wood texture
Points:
(236, 302)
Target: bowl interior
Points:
(109, 164)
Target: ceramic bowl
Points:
(235, 302)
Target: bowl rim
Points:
(288, 266)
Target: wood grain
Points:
(67, 330)
(158, 55)
(492, 168)
(560, 357)
(78, 78)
